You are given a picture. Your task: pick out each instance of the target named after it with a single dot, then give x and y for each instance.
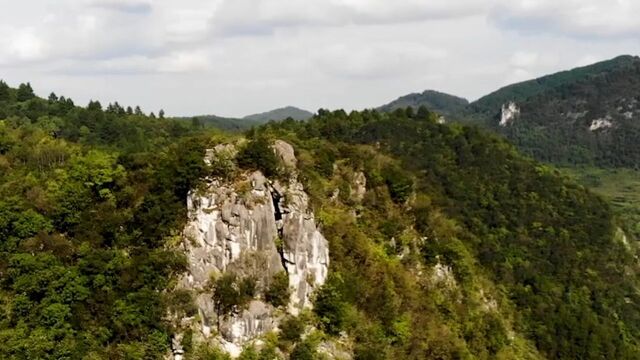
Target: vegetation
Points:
(510, 229)
(557, 112)
(441, 103)
(461, 248)
(231, 294)
(278, 292)
(88, 200)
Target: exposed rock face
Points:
(510, 112)
(360, 185)
(601, 124)
(235, 227)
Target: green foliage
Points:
(231, 293)
(257, 154)
(557, 112)
(25, 92)
(291, 329)
(278, 292)
(496, 219)
(88, 201)
(399, 183)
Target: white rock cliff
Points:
(256, 227)
(510, 112)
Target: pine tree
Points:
(25, 92)
(5, 95)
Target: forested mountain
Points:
(589, 115)
(441, 103)
(280, 114)
(219, 122)
(247, 122)
(585, 116)
(444, 241)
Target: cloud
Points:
(20, 46)
(127, 6)
(375, 59)
(248, 17)
(577, 18)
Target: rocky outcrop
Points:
(510, 112)
(251, 226)
(603, 123)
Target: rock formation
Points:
(251, 226)
(509, 113)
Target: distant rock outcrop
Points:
(510, 112)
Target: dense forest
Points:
(557, 113)
(461, 248)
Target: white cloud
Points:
(240, 56)
(250, 17)
(580, 18)
(20, 46)
(182, 62)
(130, 6)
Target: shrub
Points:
(278, 292)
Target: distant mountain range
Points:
(247, 122)
(588, 115)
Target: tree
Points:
(138, 111)
(278, 292)
(161, 114)
(230, 294)
(5, 95)
(258, 155)
(423, 113)
(94, 106)
(25, 92)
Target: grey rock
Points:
(230, 230)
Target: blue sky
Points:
(235, 57)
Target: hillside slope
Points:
(589, 115)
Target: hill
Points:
(280, 114)
(588, 115)
(441, 103)
(442, 241)
(219, 122)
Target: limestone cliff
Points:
(251, 226)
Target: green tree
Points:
(25, 92)
(278, 292)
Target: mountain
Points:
(220, 122)
(361, 235)
(588, 115)
(280, 114)
(441, 103)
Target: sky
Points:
(238, 57)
